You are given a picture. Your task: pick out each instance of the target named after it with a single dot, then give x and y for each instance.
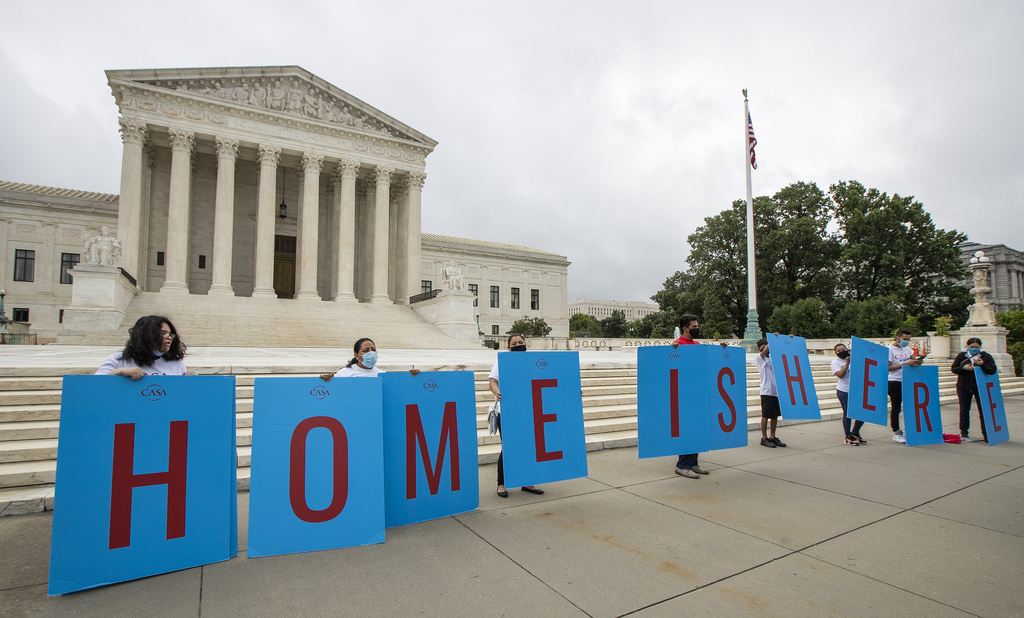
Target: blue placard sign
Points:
(541, 417)
(145, 478)
(993, 413)
(869, 382)
(921, 409)
(317, 470)
(672, 411)
(797, 397)
(430, 448)
(727, 397)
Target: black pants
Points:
(501, 460)
(965, 411)
(896, 397)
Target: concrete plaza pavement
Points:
(818, 528)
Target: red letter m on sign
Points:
(414, 436)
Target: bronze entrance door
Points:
(284, 266)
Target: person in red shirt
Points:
(690, 329)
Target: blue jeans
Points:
(687, 462)
(844, 399)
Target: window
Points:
(494, 329)
(202, 261)
(20, 315)
(535, 300)
(24, 265)
(515, 298)
(475, 289)
(426, 286)
(160, 258)
(67, 262)
(494, 297)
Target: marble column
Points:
(395, 267)
(382, 176)
(46, 261)
(129, 210)
(147, 185)
(5, 266)
(176, 280)
(224, 217)
(413, 196)
(308, 237)
(345, 236)
(263, 277)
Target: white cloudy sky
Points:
(602, 131)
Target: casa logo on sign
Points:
(319, 392)
(673, 355)
(153, 392)
(430, 386)
(541, 363)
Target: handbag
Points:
(492, 417)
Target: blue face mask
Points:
(369, 359)
(157, 353)
(904, 343)
(974, 351)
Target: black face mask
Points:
(767, 354)
(845, 354)
(518, 348)
(695, 333)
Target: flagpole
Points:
(753, 330)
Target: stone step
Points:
(27, 473)
(30, 384)
(29, 397)
(29, 412)
(28, 430)
(39, 449)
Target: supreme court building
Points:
(262, 183)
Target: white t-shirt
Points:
(764, 367)
(493, 375)
(355, 371)
(843, 383)
(160, 367)
(898, 356)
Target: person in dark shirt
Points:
(967, 386)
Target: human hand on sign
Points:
(326, 377)
(414, 371)
(189, 373)
(134, 373)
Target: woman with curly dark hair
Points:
(153, 348)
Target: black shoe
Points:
(777, 442)
(503, 493)
(533, 490)
(767, 442)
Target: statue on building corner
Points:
(102, 250)
(451, 277)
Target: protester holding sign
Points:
(841, 370)
(900, 354)
(967, 386)
(770, 410)
(153, 348)
(516, 343)
(362, 365)
(690, 328)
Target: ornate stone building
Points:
(601, 309)
(1006, 278)
(253, 182)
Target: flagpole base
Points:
(753, 333)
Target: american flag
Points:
(752, 141)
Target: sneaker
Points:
(966, 439)
(699, 470)
(777, 442)
(898, 438)
(767, 442)
(690, 474)
(898, 432)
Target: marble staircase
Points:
(238, 321)
(30, 417)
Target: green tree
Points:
(614, 326)
(584, 323)
(807, 317)
(875, 317)
(530, 327)
(1013, 321)
(654, 326)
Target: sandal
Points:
(852, 441)
(857, 437)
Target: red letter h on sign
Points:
(123, 480)
(798, 378)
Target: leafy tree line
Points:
(1013, 321)
(852, 261)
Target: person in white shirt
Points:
(153, 348)
(841, 370)
(770, 409)
(900, 354)
(516, 343)
(363, 363)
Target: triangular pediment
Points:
(285, 90)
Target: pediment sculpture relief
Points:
(290, 96)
